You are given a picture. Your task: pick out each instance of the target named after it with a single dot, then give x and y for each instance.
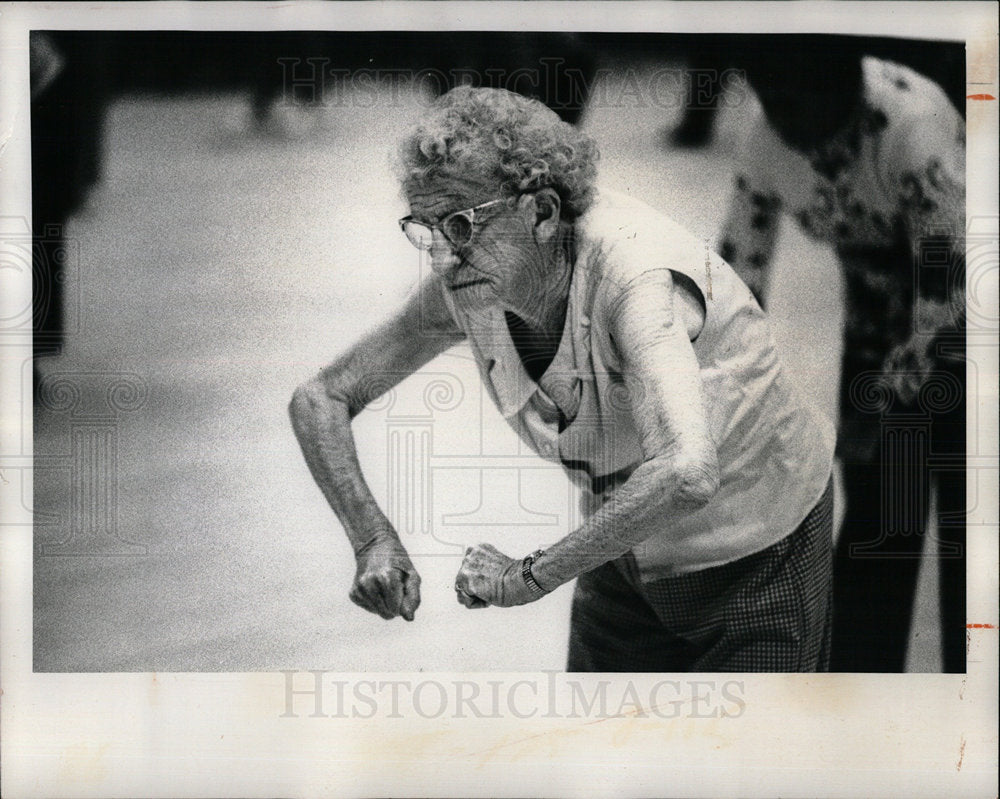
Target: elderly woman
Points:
(615, 344)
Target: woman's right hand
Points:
(386, 581)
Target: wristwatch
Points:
(529, 579)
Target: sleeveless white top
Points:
(775, 453)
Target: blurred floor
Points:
(220, 268)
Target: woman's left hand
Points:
(488, 577)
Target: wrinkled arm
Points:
(322, 408)
(652, 326)
(321, 411)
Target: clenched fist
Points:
(488, 577)
(386, 581)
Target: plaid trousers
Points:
(767, 612)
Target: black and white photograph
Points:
(459, 383)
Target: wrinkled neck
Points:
(537, 335)
(544, 313)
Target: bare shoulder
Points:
(642, 259)
(632, 236)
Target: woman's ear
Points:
(547, 206)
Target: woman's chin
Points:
(478, 296)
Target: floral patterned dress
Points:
(888, 193)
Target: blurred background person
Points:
(292, 69)
(869, 156)
(68, 99)
(707, 58)
(556, 68)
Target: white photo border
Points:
(199, 734)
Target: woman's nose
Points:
(443, 257)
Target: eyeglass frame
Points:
(470, 212)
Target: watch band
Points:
(528, 577)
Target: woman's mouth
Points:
(466, 284)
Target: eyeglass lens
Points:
(457, 229)
(420, 236)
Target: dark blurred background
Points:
(77, 73)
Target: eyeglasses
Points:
(459, 228)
